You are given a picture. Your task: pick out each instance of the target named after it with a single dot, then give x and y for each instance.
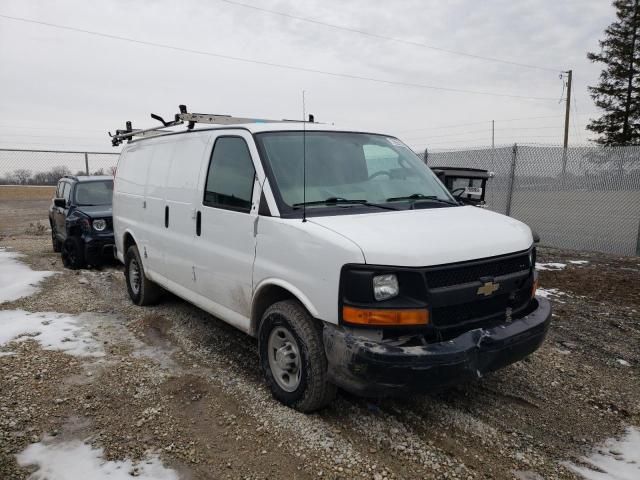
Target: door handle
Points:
(198, 223)
(166, 216)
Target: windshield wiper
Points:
(342, 201)
(420, 196)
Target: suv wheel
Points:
(141, 290)
(73, 253)
(54, 240)
(292, 357)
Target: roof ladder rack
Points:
(129, 133)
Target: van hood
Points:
(426, 237)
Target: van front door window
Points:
(231, 175)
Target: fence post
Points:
(512, 177)
(86, 162)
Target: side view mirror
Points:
(60, 202)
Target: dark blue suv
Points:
(81, 220)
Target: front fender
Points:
(296, 292)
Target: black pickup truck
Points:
(81, 220)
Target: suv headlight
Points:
(385, 287)
(99, 225)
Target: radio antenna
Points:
(304, 160)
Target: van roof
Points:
(257, 127)
(88, 178)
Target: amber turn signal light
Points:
(382, 317)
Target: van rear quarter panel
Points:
(129, 189)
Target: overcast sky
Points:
(64, 90)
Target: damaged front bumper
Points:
(99, 248)
(374, 369)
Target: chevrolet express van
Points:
(340, 251)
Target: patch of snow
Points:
(75, 459)
(548, 292)
(550, 266)
(579, 262)
(17, 280)
(622, 362)
(615, 460)
(54, 331)
(7, 354)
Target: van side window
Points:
(231, 175)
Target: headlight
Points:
(385, 287)
(99, 225)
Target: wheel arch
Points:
(127, 241)
(271, 291)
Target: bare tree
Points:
(21, 176)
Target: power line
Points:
(392, 39)
(271, 64)
(479, 123)
(575, 114)
(86, 137)
(488, 130)
(25, 127)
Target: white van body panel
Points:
(224, 253)
(434, 236)
(306, 256)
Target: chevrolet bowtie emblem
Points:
(488, 288)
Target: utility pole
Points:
(493, 133)
(566, 125)
(568, 108)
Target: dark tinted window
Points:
(231, 175)
(94, 193)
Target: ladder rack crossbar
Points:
(190, 119)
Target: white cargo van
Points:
(339, 250)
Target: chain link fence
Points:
(43, 167)
(582, 198)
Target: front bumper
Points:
(98, 248)
(370, 368)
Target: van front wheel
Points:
(292, 357)
(141, 290)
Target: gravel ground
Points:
(176, 382)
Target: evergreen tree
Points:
(618, 91)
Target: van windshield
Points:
(99, 192)
(343, 167)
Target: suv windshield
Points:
(99, 192)
(364, 168)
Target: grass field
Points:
(26, 192)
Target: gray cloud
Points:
(65, 80)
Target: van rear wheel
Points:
(141, 290)
(292, 357)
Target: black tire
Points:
(73, 253)
(57, 245)
(313, 390)
(142, 291)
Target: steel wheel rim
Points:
(134, 276)
(284, 359)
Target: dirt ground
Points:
(177, 382)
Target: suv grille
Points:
(454, 275)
